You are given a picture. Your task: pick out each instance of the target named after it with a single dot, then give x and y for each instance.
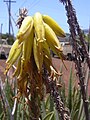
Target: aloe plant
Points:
(72, 100)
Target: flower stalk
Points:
(79, 49)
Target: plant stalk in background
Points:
(60, 107)
(79, 49)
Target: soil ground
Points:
(59, 66)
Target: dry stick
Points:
(75, 30)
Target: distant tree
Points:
(10, 38)
(88, 38)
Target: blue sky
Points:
(53, 8)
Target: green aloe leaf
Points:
(49, 116)
(70, 87)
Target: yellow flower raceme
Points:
(38, 55)
(39, 39)
(39, 27)
(35, 38)
(25, 29)
(54, 25)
